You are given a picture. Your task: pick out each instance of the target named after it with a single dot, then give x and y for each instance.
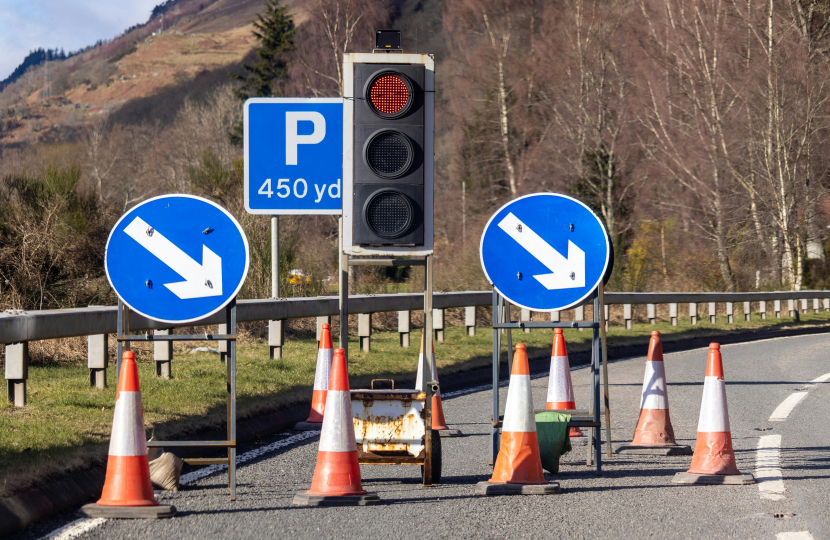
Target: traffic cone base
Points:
(127, 491)
(336, 480)
(714, 459)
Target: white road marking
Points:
(80, 526)
(74, 529)
(783, 411)
(768, 473)
(800, 535)
(822, 378)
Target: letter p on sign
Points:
(293, 139)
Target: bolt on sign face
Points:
(545, 251)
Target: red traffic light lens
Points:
(389, 94)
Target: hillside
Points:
(138, 65)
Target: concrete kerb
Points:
(79, 487)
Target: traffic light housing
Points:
(388, 154)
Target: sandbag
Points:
(165, 471)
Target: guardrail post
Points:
(693, 313)
(222, 345)
(651, 313)
(438, 323)
(404, 326)
(276, 338)
(747, 311)
(673, 313)
(364, 330)
(713, 312)
(730, 315)
(791, 306)
(627, 316)
(803, 305)
(325, 319)
(470, 320)
(776, 306)
(163, 354)
(826, 303)
(526, 318)
(17, 372)
(815, 305)
(554, 316)
(579, 314)
(607, 315)
(97, 358)
(762, 309)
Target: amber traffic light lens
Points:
(389, 94)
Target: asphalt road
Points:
(634, 498)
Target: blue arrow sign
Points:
(176, 258)
(293, 155)
(545, 252)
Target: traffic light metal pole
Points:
(427, 369)
(344, 294)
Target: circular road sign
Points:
(545, 251)
(176, 258)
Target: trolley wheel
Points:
(436, 458)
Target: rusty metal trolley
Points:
(580, 418)
(391, 426)
(124, 338)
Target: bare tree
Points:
(335, 28)
(102, 152)
(689, 124)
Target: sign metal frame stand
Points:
(501, 322)
(124, 338)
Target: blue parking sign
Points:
(293, 155)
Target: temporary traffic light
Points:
(388, 144)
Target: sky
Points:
(26, 25)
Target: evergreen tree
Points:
(275, 31)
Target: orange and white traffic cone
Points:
(560, 387)
(336, 480)
(325, 353)
(714, 459)
(438, 422)
(128, 492)
(518, 469)
(654, 433)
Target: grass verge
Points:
(66, 424)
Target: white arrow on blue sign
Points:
(176, 258)
(293, 155)
(545, 251)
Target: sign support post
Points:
(275, 328)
